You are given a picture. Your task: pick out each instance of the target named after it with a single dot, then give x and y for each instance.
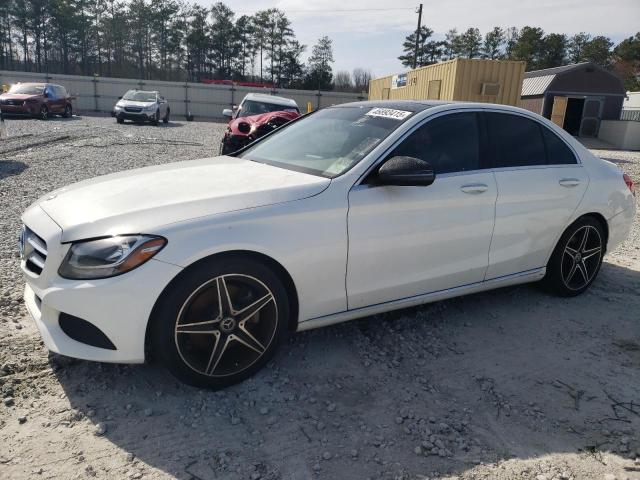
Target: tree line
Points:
(159, 39)
(539, 49)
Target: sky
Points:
(373, 39)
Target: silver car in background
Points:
(142, 106)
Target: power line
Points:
(346, 10)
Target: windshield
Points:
(138, 96)
(328, 142)
(251, 107)
(27, 89)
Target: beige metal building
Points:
(474, 80)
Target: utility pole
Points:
(415, 56)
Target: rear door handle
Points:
(474, 188)
(569, 182)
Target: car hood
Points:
(133, 103)
(141, 200)
(18, 96)
(254, 121)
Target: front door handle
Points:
(569, 182)
(474, 188)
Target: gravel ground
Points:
(509, 384)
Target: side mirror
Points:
(406, 171)
(119, 98)
(45, 94)
(227, 112)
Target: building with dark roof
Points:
(576, 97)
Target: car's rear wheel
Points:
(44, 113)
(220, 322)
(68, 111)
(577, 258)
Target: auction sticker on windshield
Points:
(388, 113)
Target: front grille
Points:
(133, 109)
(34, 251)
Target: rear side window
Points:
(517, 141)
(558, 153)
(450, 143)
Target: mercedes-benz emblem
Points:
(228, 324)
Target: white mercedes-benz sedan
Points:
(347, 212)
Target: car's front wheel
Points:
(68, 111)
(577, 258)
(220, 321)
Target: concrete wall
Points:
(100, 94)
(620, 133)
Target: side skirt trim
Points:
(514, 279)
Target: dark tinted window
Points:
(450, 143)
(517, 141)
(557, 151)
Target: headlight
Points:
(150, 108)
(108, 257)
(118, 107)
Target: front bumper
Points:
(21, 110)
(119, 307)
(137, 116)
(232, 143)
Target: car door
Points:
(55, 100)
(540, 184)
(411, 240)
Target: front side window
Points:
(328, 142)
(450, 143)
(517, 141)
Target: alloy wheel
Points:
(226, 325)
(44, 113)
(581, 257)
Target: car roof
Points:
(421, 105)
(143, 91)
(407, 105)
(264, 97)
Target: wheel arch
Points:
(603, 223)
(270, 262)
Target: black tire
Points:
(577, 258)
(216, 360)
(119, 120)
(166, 117)
(156, 118)
(68, 111)
(44, 113)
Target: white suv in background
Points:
(142, 106)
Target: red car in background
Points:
(37, 100)
(257, 115)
